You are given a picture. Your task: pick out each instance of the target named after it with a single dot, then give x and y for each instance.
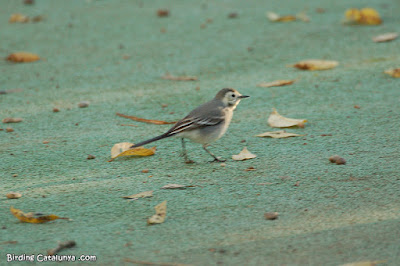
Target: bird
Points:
(205, 124)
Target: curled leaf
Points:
(12, 120)
(278, 134)
(275, 83)
(146, 194)
(316, 64)
(394, 72)
(161, 213)
(150, 121)
(276, 120)
(123, 149)
(35, 218)
(22, 57)
(387, 37)
(245, 154)
(365, 16)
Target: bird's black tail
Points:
(163, 136)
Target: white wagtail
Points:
(205, 124)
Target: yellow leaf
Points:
(161, 213)
(278, 134)
(365, 16)
(364, 263)
(123, 149)
(275, 83)
(22, 57)
(277, 18)
(276, 120)
(35, 218)
(145, 194)
(387, 37)
(18, 18)
(316, 64)
(395, 72)
(244, 155)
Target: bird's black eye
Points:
(233, 95)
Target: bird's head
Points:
(230, 97)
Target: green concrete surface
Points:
(113, 53)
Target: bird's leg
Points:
(216, 159)
(184, 153)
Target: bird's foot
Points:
(217, 160)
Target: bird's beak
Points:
(243, 96)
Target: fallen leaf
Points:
(278, 134)
(150, 121)
(364, 263)
(18, 18)
(337, 159)
(38, 18)
(394, 72)
(276, 120)
(83, 104)
(9, 129)
(251, 168)
(274, 17)
(244, 155)
(13, 195)
(145, 194)
(179, 78)
(161, 213)
(316, 64)
(275, 83)
(35, 218)
(385, 37)
(22, 57)
(123, 149)
(12, 120)
(365, 16)
(174, 186)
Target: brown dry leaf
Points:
(18, 18)
(174, 186)
(278, 134)
(274, 17)
(244, 155)
(276, 120)
(13, 195)
(275, 83)
(365, 16)
(12, 120)
(394, 72)
(365, 263)
(145, 194)
(23, 57)
(123, 149)
(179, 78)
(150, 121)
(316, 64)
(35, 218)
(161, 213)
(387, 37)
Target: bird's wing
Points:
(191, 123)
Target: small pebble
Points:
(145, 170)
(46, 142)
(14, 175)
(223, 164)
(91, 157)
(83, 104)
(337, 159)
(56, 110)
(233, 15)
(9, 129)
(271, 215)
(357, 106)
